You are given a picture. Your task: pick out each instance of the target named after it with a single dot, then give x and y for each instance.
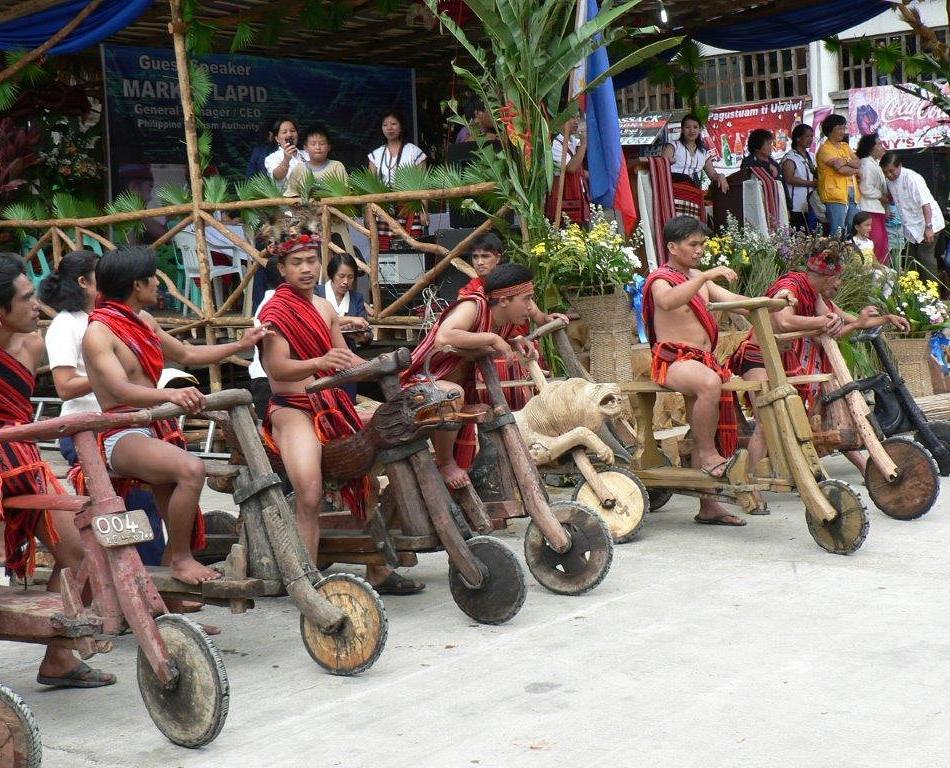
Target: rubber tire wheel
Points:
(503, 591)
(848, 530)
(18, 718)
(585, 564)
(623, 527)
(941, 431)
(925, 478)
(192, 713)
(659, 496)
(356, 646)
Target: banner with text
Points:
(146, 134)
(728, 128)
(902, 120)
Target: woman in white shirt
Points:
(874, 197)
(689, 159)
(71, 290)
(383, 161)
(285, 159)
(799, 175)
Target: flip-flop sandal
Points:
(82, 676)
(394, 584)
(724, 520)
(726, 466)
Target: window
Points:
(862, 74)
(732, 78)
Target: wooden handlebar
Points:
(544, 330)
(387, 364)
(62, 426)
(791, 335)
(750, 304)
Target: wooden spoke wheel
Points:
(20, 745)
(847, 531)
(941, 430)
(626, 518)
(192, 711)
(917, 486)
(585, 564)
(356, 645)
(501, 594)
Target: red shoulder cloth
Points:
(475, 285)
(797, 283)
(697, 304)
(132, 331)
(299, 322)
(16, 388)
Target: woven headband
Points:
(301, 243)
(512, 290)
(825, 263)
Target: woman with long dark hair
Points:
(874, 195)
(798, 173)
(384, 161)
(287, 156)
(689, 159)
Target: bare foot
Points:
(191, 571)
(454, 476)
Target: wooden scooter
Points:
(834, 512)
(180, 673)
(902, 478)
(20, 745)
(343, 623)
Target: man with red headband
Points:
(125, 350)
(814, 290)
(474, 322)
(486, 253)
(23, 472)
(306, 343)
(683, 334)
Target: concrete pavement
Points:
(704, 646)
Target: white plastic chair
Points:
(187, 246)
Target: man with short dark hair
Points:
(125, 350)
(683, 334)
(474, 322)
(920, 214)
(23, 472)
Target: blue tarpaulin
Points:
(783, 29)
(32, 31)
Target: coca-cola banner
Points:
(903, 120)
(728, 128)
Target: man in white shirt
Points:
(919, 212)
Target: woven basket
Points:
(912, 355)
(611, 322)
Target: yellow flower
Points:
(539, 249)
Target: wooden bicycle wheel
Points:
(20, 745)
(355, 647)
(846, 532)
(625, 518)
(941, 430)
(917, 486)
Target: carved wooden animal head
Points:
(414, 414)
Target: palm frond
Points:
(32, 73)
(412, 178)
(204, 149)
(67, 206)
(173, 194)
(258, 187)
(127, 202)
(8, 94)
(364, 182)
(243, 36)
(216, 190)
(306, 185)
(201, 86)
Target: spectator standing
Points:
(760, 145)
(260, 151)
(384, 161)
(839, 172)
(873, 188)
(283, 160)
(568, 159)
(798, 173)
(919, 212)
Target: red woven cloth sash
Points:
(165, 430)
(22, 471)
(770, 195)
(444, 364)
(667, 352)
(329, 422)
(132, 331)
(308, 336)
(688, 199)
(664, 209)
(697, 304)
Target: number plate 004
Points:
(132, 527)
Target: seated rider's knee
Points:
(709, 386)
(309, 497)
(191, 471)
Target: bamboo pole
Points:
(57, 248)
(439, 268)
(240, 242)
(324, 242)
(40, 242)
(26, 8)
(96, 221)
(399, 230)
(39, 52)
(370, 220)
(70, 243)
(347, 220)
(177, 28)
(468, 190)
(176, 294)
(170, 234)
(238, 291)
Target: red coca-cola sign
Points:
(903, 120)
